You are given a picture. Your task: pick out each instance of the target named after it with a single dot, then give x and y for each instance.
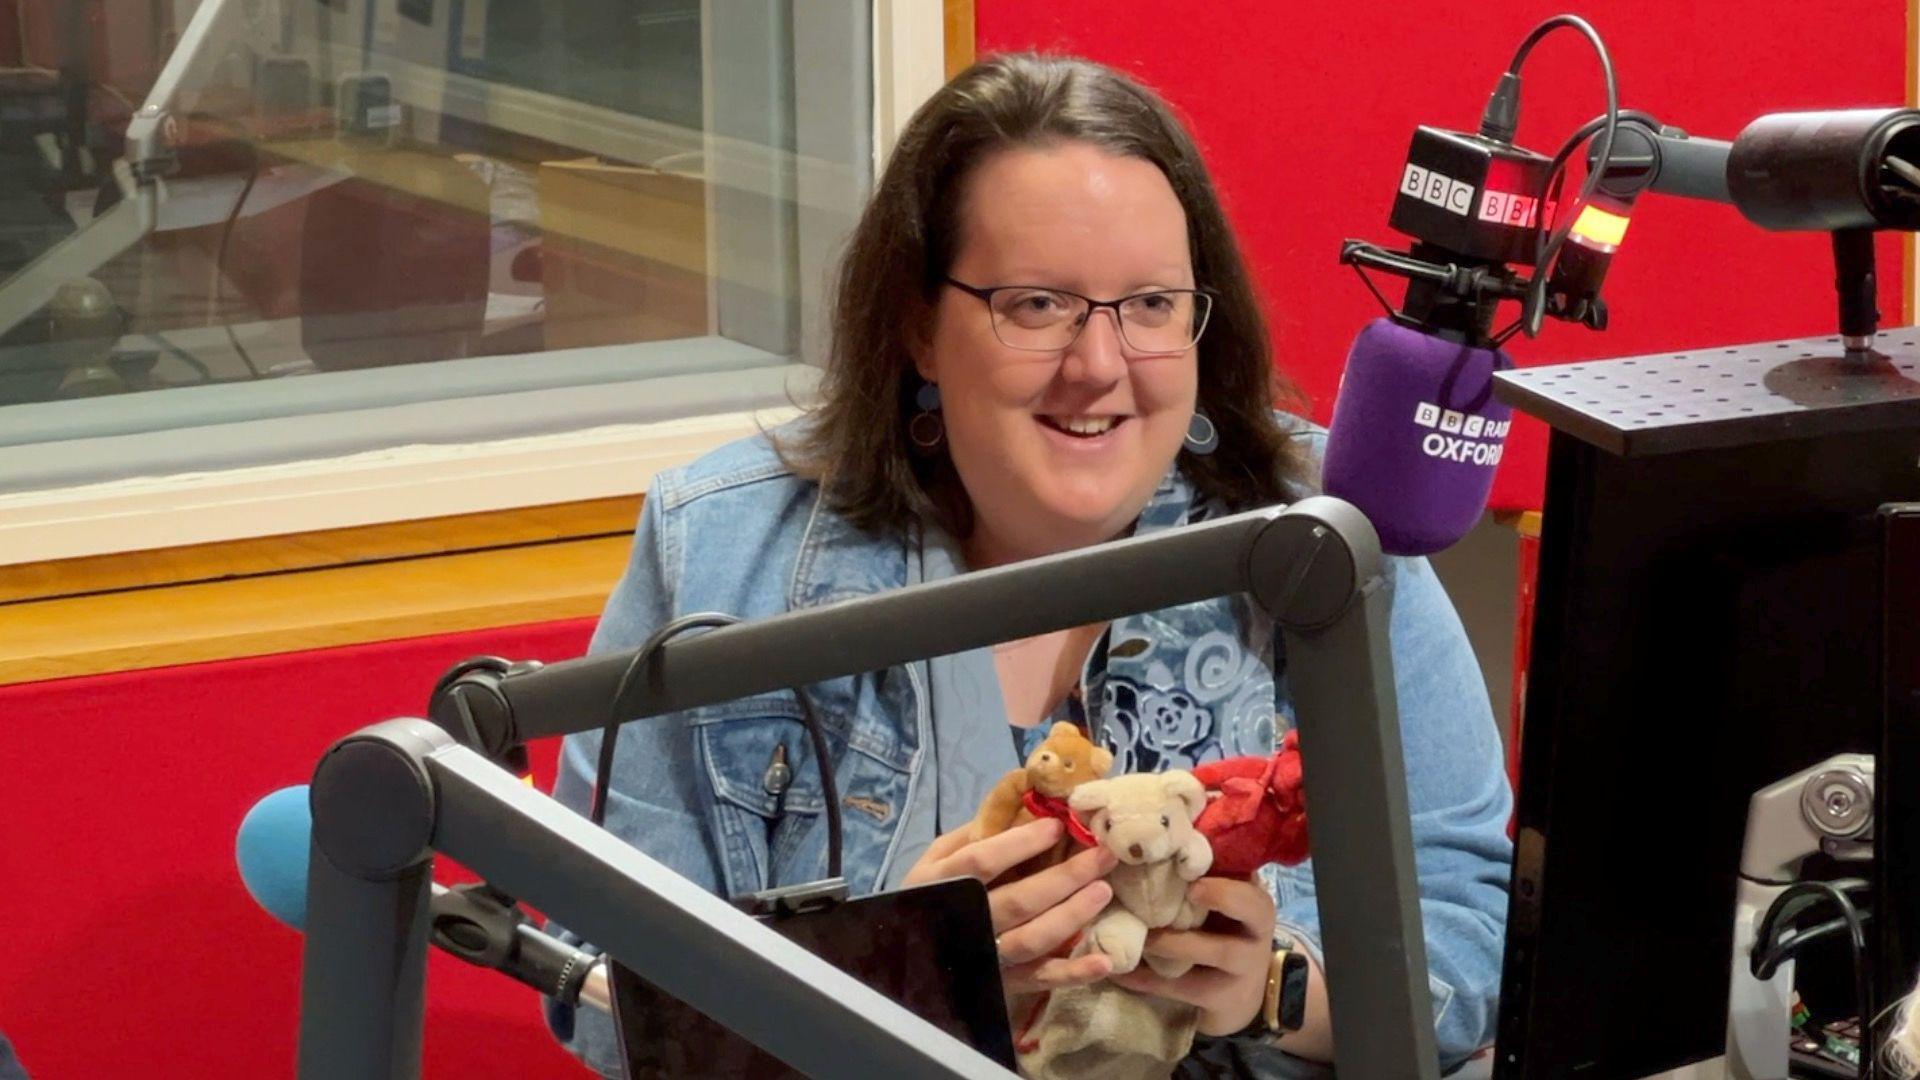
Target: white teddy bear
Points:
(1103, 1031)
(1146, 819)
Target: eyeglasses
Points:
(1035, 319)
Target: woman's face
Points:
(1060, 449)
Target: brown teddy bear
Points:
(1061, 763)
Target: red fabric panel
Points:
(132, 949)
(1305, 117)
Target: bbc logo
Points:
(1438, 188)
(1429, 415)
(1500, 207)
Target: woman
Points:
(1045, 338)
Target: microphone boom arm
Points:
(388, 797)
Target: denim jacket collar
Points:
(837, 560)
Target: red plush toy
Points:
(1260, 813)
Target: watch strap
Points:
(1284, 1006)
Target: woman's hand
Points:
(1229, 978)
(1036, 915)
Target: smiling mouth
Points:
(1082, 427)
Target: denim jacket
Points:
(917, 747)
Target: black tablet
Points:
(929, 947)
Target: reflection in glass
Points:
(340, 185)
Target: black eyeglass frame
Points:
(1203, 298)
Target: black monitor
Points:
(1896, 878)
(1708, 620)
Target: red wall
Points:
(1305, 111)
(131, 947)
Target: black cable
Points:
(1850, 917)
(220, 264)
(610, 733)
(1581, 135)
(183, 356)
(1535, 36)
(1765, 964)
(1549, 189)
(1533, 309)
(829, 787)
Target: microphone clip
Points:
(1447, 299)
(485, 927)
(477, 923)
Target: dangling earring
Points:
(1202, 437)
(926, 429)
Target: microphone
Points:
(271, 850)
(1416, 435)
(473, 922)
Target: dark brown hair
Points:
(856, 442)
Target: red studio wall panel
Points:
(1305, 110)
(133, 949)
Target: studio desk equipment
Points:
(1720, 604)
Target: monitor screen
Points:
(930, 948)
(1896, 898)
(1707, 622)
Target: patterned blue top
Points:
(1172, 689)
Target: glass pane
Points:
(334, 186)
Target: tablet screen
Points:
(929, 947)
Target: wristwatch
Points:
(1285, 1006)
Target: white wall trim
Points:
(402, 484)
(909, 64)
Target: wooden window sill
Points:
(141, 628)
(193, 563)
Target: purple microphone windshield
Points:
(1416, 435)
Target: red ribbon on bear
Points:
(1055, 807)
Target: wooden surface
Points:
(311, 591)
(313, 609)
(623, 255)
(610, 517)
(959, 36)
(1524, 522)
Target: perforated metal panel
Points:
(1720, 397)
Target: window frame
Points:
(341, 486)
